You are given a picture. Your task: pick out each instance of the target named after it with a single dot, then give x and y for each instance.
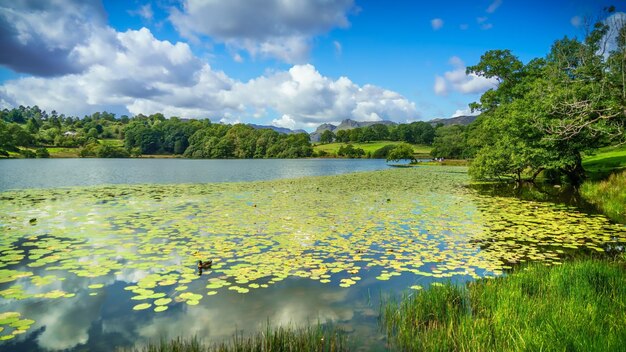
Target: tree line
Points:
(546, 114)
(415, 133)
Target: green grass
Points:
(113, 142)
(577, 306)
(370, 147)
(605, 161)
(608, 195)
(60, 152)
(316, 338)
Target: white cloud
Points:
(494, 6)
(486, 26)
(461, 82)
(464, 26)
(615, 21)
(456, 62)
(576, 21)
(38, 37)
(338, 47)
(144, 12)
(440, 87)
(135, 72)
(480, 20)
(465, 112)
(285, 121)
(436, 23)
(270, 28)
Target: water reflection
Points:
(98, 262)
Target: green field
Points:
(604, 161)
(370, 147)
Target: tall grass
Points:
(578, 306)
(311, 338)
(609, 195)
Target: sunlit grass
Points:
(609, 195)
(369, 147)
(578, 306)
(312, 338)
(604, 161)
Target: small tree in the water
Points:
(402, 151)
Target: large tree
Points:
(543, 115)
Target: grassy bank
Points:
(315, 338)
(578, 306)
(369, 147)
(605, 161)
(609, 195)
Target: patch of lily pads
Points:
(334, 230)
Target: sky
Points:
(290, 63)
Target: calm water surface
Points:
(52, 173)
(76, 263)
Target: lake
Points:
(51, 173)
(114, 265)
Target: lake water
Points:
(52, 173)
(99, 267)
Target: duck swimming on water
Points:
(205, 265)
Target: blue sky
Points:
(293, 63)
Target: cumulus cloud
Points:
(494, 6)
(461, 82)
(309, 98)
(436, 23)
(465, 112)
(285, 121)
(40, 37)
(144, 12)
(138, 73)
(440, 86)
(268, 28)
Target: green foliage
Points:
(545, 114)
(350, 151)
(103, 150)
(241, 141)
(27, 153)
(450, 142)
(327, 137)
(309, 338)
(42, 153)
(574, 306)
(382, 153)
(402, 151)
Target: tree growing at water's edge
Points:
(544, 114)
(402, 151)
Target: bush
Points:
(382, 153)
(42, 153)
(27, 153)
(350, 151)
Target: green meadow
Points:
(370, 147)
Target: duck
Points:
(205, 265)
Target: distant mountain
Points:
(277, 129)
(346, 124)
(459, 120)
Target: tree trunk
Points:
(534, 176)
(576, 173)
